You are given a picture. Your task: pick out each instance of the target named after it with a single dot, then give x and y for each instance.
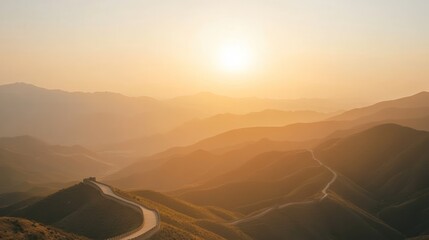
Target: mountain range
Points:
(95, 119)
(252, 172)
(293, 136)
(31, 165)
(323, 193)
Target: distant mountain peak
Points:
(20, 85)
(422, 93)
(390, 129)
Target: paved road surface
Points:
(150, 217)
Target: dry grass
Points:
(22, 229)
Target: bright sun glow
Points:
(234, 57)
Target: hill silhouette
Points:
(75, 117)
(81, 209)
(329, 219)
(397, 157)
(419, 100)
(192, 168)
(28, 163)
(198, 129)
(399, 111)
(283, 193)
(297, 135)
(388, 202)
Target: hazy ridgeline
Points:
(240, 172)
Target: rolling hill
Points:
(83, 118)
(22, 229)
(192, 168)
(388, 202)
(28, 163)
(395, 154)
(104, 118)
(273, 179)
(397, 157)
(183, 220)
(198, 129)
(81, 209)
(142, 174)
(329, 219)
(419, 100)
(379, 190)
(399, 111)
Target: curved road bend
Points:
(150, 217)
(324, 192)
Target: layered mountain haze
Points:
(398, 157)
(211, 104)
(386, 203)
(278, 194)
(214, 120)
(29, 164)
(420, 100)
(194, 166)
(265, 174)
(294, 136)
(393, 111)
(80, 209)
(198, 129)
(82, 118)
(74, 117)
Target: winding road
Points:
(268, 210)
(151, 219)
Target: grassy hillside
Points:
(81, 209)
(398, 180)
(269, 179)
(397, 156)
(22, 229)
(388, 202)
(182, 220)
(332, 218)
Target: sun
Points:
(234, 57)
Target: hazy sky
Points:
(371, 49)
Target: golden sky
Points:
(283, 49)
